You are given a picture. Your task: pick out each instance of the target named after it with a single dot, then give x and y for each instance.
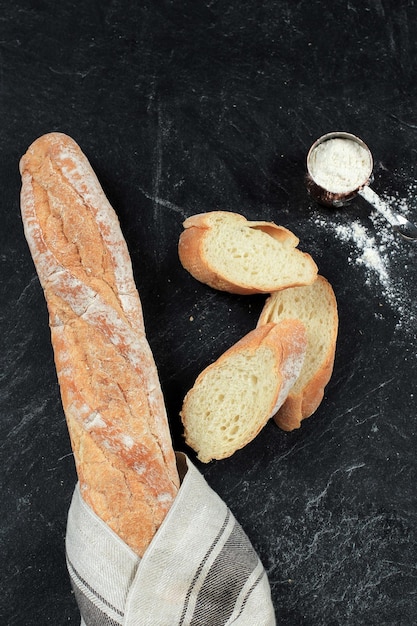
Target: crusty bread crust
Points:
(287, 341)
(303, 402)
(193, 256)
(108, 379)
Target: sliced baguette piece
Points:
(234, 397)
(108, 379)
(227, 252)
(315, 305)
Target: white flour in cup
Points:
(340, 165)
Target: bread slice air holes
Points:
(227, 252)
(263, 257)
(316, 307)
(251, 375)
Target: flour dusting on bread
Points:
(109, 383)
(234, 397)
(315, 305)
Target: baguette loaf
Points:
(234, 397)
(109, 384)
(227, 252)
(315, 305)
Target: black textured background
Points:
(183, 107)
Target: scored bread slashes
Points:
(315, 306)
(228, 252)
(234, 397)
(109, 383)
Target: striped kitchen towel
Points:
(200, 569)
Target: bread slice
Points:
(227, 252)
(108, 379)
(234, 397)
(315, 305)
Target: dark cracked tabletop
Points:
(185, 107)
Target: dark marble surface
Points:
(189, 106)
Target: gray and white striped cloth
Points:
(200, 569)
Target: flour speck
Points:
(379, 252)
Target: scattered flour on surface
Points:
(384, 256)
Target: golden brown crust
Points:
(193, 258)
(108, 380)
(288, 341)
(302, 404)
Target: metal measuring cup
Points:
(339, 198)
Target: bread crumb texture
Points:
(315, 305)
(227, 407)
(234, 397)
(230, 253)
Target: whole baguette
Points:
(230, 253)
(108, 380)
(316, 306)
(234, 397)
